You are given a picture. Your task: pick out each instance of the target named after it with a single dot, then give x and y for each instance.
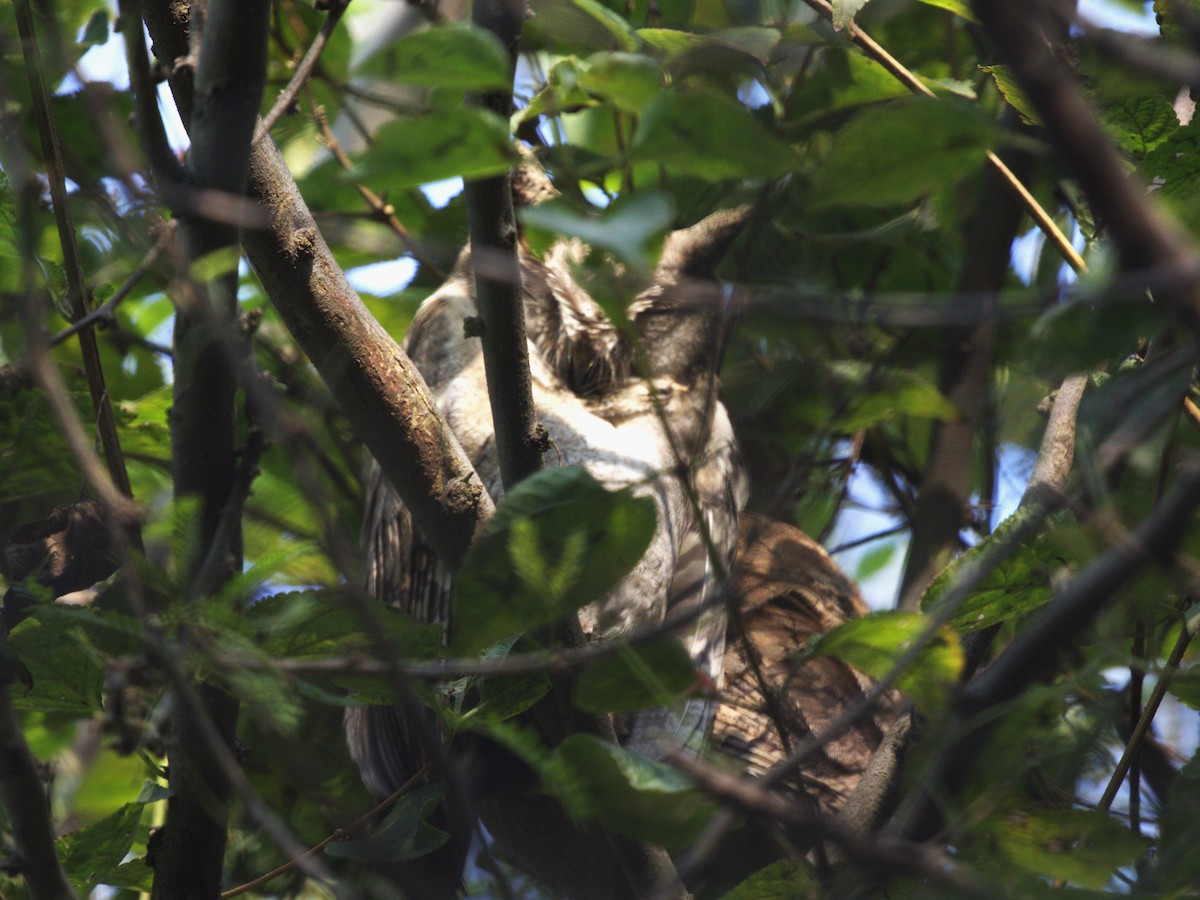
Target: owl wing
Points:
(789, 590)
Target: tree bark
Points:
(229, 78)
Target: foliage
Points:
(868, 201)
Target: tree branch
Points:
(493, 228)
(1146, 238)
(106, 426)
(229, 79)
(965, 379)
(1033, 653)
(24, 798)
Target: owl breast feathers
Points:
(657, 428)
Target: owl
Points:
(637, 407)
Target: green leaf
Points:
(874, 560)
(703, 134)
(647, 675)
(404, 834)
(557, 542)
(1017, 584)
(901, 394)
(955, 6)
(875, 643)
(1012, 93)
(579, 25)
(626, 228)
(451, 56)
(783, 880)
(903, 151)
(634, 796)
(629, 80)
(1176, 163)
(1140, 124)
(96, 30)
(844, 12)
(1078, 845)
(413, 150)
(91, 855)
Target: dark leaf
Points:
(637, 677)
(404, 834)
(557, 542)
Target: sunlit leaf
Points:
(451, 55)
(876, 643)
(626, 229)
(705, 135)
(412, 150)
(1078, 845)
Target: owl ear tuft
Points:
(696, 252)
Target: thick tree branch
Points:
(24, 798)
(1032, 655)
(229, 79)
(493, 229)
(375, 384)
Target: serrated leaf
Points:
(528, 568)
(413, 150)
(901, 152)
(452, 55)
(404, 834)
(1012, 93)
(1140, 124)
(639, 677)
(634, 796)
(1017, 584)
(875, 643)
(1174, 163)
(703, 134)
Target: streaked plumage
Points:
(601, 415)
(790, 590)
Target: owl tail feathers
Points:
(381, 745)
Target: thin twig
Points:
(380, 208)
(1186, 633)
(751, 797)
(104, 315)
(337, 835)
(106, 426)
(303, 72)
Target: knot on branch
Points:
(474, 327)
(303, 242)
